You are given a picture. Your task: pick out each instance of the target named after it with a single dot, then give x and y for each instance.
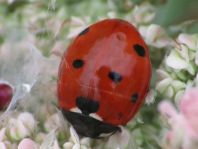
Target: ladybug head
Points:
(86, 125)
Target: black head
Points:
(86, 125)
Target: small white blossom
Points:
(27, 144)
(21, 127)
(144, 13)
(75, 142)
(174, 60)
(163, 85)
(120, 140)
(156, 36)
(177, 67)
(68, 145)
(162, 74)
(188, 40)
(28, 120)
(150, 98)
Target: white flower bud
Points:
(150, 98)
(119, 139)
(169, 92)
(11, 129)
(22, 131)
(175, 61)
(28, 120)
(143, 13)
(162, 74)
(183, 51)
(21, 127)
(74, 141)
(163, 85)
(85, 141)
(27, 144)
(188, 40)
(76, 146)
(68, 145)
(178, 85)
(156, 36)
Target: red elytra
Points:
(106, 71)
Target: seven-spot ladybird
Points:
(104, 77)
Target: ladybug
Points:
(104, 77)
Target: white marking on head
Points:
(96, 116)
(76, 110)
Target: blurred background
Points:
(50, 25)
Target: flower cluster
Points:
(22, 130)
(17, 129)
(183, 124)
(179, 69)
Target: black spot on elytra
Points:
(134, 97)
(84, 32)
(78, 63)
(87, 105)
(139, 50)
(115, 77)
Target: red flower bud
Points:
(6, 93)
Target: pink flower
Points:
(167, 109)
(189, 109)
(183, 122)
(27, 144)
